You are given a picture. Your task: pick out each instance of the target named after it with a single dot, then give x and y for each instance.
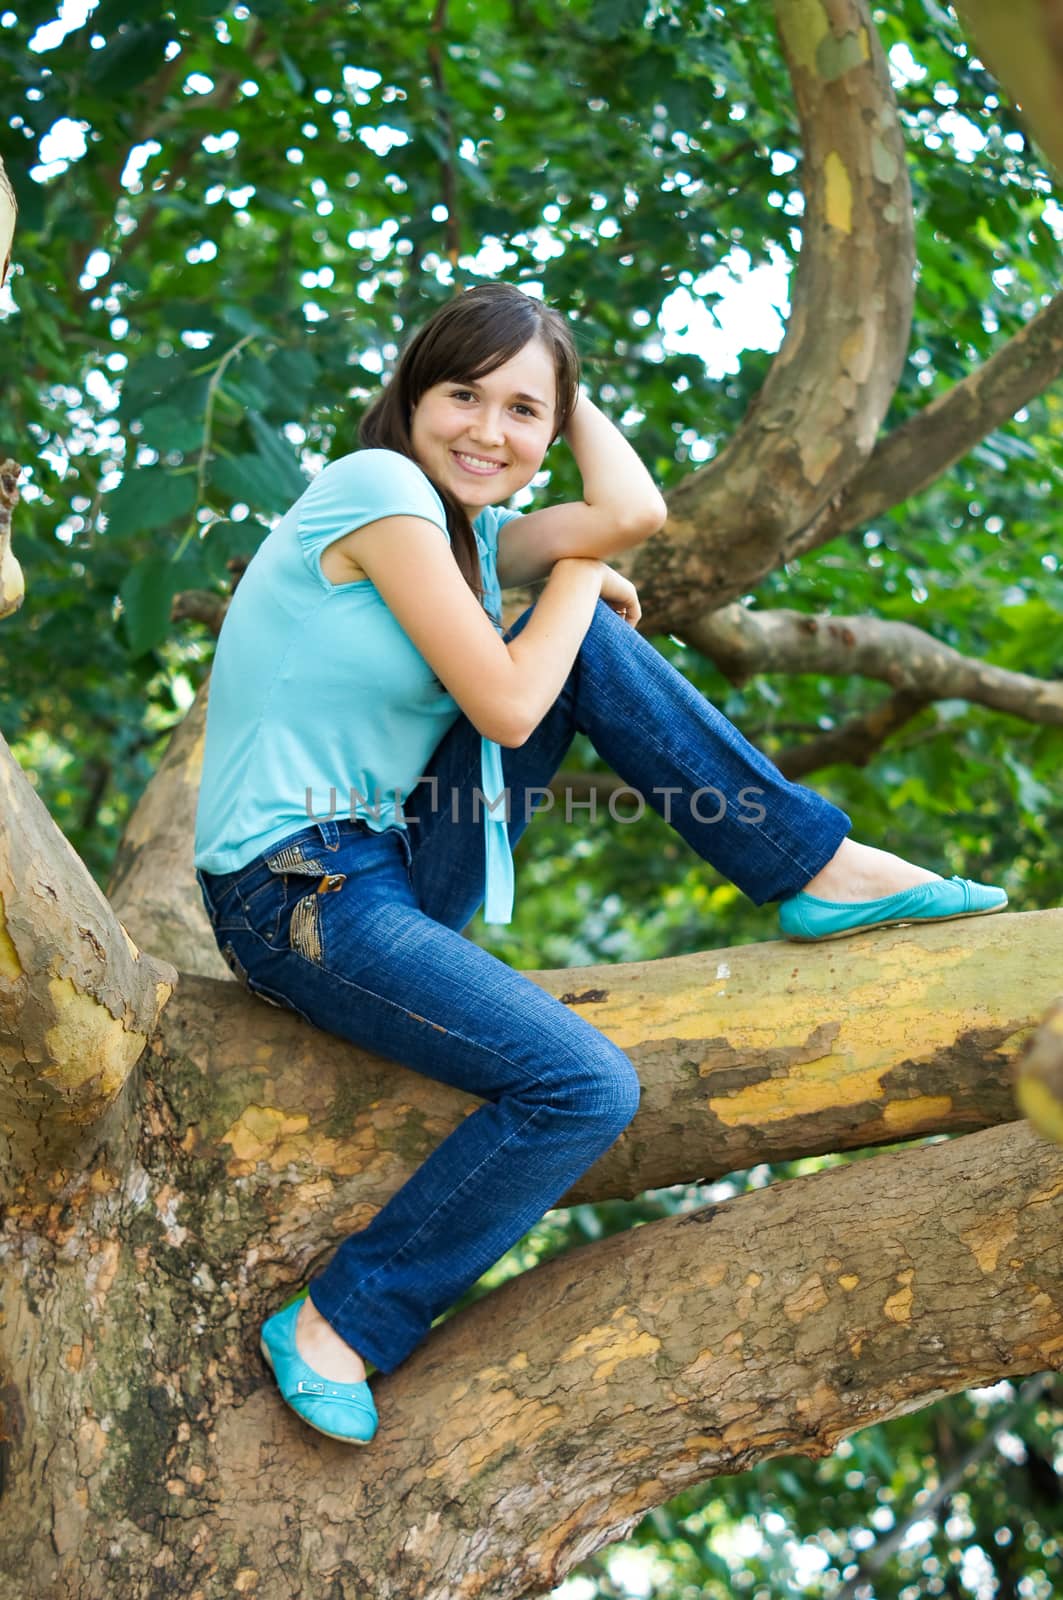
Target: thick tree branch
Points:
(625, 1371)
(743, 642)
(724, 1337)
(12, 585)
(921, 449)
(814, 422)
(78, 1000)
(153, 885)
(767, 1052)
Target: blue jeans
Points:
(360, 933)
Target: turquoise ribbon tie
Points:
(498, 857)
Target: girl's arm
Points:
(621, 505)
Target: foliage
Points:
(203, 303)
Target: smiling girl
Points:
(363, 655)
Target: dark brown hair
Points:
(479, 330)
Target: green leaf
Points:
(610, 18)
(169, 427)
(148, 498)
(147, 594)
(250, 480)
(279, 456)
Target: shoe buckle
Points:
(304, 1386)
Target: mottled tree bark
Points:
(151, 1457)
(815, 421)
(78, 999)
(153, 885)
(146, 1452)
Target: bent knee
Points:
(608, 1093)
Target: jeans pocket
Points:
(284, 908)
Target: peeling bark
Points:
(78, 1000)
(151, 1457)
(815, 421)
(153, 886)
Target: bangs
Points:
(508, 342)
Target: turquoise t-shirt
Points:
(319, 702)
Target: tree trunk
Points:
(151, 1456)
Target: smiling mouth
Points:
(480, 466)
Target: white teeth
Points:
(476, 461)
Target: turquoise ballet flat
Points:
(804, 917)
(344, 1411)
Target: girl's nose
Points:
(488, 429)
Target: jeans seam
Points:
(453, 1033)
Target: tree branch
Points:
(764, 1053)
(743, 642)
(12, 585)
(200, 605)
(921, 449)
(854, 741)
(8, 213)
(436, 32)
(814, 422)
(1023, 44)
(153, 885)
(78, 1000)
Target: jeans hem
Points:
(364, 1344)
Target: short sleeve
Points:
(357, 489)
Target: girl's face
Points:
(486, 438)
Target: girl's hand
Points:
(620, 593)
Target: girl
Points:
(363, 659)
